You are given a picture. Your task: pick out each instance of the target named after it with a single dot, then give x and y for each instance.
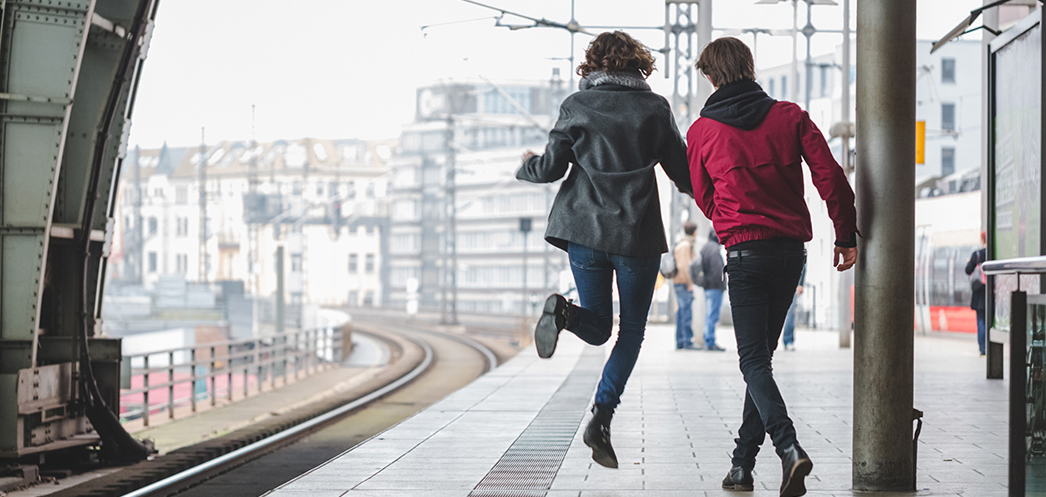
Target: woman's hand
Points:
(526, 155)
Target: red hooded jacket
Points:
(746, 152)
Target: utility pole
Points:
(202, 263)
(883, 411)
(846, 277)
(280, 301)
(524, 228)
(450, 262)
(252, 226)
(808, 31)
(139, 228)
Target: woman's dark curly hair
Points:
(616, 52)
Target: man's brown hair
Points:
(726, 60)
(616, 52)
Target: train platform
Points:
(517, 430)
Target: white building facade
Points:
(322, 201)
(487, 253)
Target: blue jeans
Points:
(594, 272)
(762, 287)
(788, 335)
(713, 302)
(684, 316)
(981, 329)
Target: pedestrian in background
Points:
(788, 334)
(746, 153)
(684, 254)
(977, 294)
(714, 284)
(607, 216)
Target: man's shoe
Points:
(556, 316)
(714, 348)
(739, 479)
(796, 465)
(693, 347)
(597, 436)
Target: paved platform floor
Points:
(515, 431)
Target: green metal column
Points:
(68, 71)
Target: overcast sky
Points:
(349, 68)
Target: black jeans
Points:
(763, 277)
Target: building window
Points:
(947, 160)
(354, 298)
(948, 117)
(153, 225)
(368, 298)
(182, 261)
(947, 70)
(295, 263)
(181, 195)
(182, 226)
(354, 263)
(784, 86)
(152, 262)
(771, 87)
(319, 187)
(369, 264)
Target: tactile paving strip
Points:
(530, 464)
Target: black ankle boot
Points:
(739, 478)
(597, 436)
(557, 315)
(796, 465)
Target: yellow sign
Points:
(920, 142)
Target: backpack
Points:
(697, 271)
(977, 278)
(668, 265)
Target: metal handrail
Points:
(1019, 265)
(307, 351)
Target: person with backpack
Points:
(714, 283)
(746, 155)
(977, 285)
(608, 139)
(683, 254)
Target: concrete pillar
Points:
(884, 290)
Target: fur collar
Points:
(631, 80)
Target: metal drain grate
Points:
(530, 464)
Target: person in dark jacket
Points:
(714, 284)
(746, 153)
(977, 297)
(607, 217)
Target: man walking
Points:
(746, 153)
(684, 253)
(714, 284)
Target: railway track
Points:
(429, 366)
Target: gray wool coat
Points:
(614, 136)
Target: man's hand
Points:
(526, 155)
(849, 255)
(799, 290)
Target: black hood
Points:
(741, 104)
